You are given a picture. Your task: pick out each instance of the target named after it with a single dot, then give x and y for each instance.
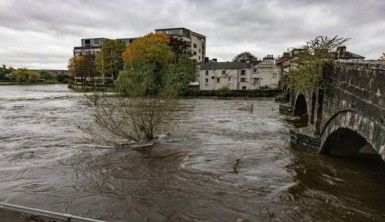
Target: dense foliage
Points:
(245, 57)
(45, 76)
(23, 75)
(154, 74)
(313, 61)
(4, 73)
(152, 67)
(82, 67)
(109, 60)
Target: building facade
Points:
(197, 43)
(92, 46)
(215, 75)
(289, 59)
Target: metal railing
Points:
(45, 214)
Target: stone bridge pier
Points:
(347, 117)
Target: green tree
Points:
(245, 57)
(180, 73)
(179, 46)
(82, 67)
(109, 60)
(146, 62)
(313, 63)
(4, 72)
(47, 77)
(23, 75)
(150, 82)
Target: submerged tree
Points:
(148, 89)
(312, 63)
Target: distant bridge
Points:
(348, 116)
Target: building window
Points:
(243, 87)
(229, 79)
(256, 81)
(207, 72)
(96, 41)
(206, 80)
(199, 58)
(243, 72)
(243, 79)
(195, 46)
(255, 70)
(223, 72)
(274, 75)
(200, 50)
(218, 80)
(195, 53)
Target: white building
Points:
(215, 75)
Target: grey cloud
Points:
(42, 33)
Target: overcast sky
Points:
(42, 33)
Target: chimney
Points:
(267, 57)
(215, 60)
(4, 67)
(207, 59)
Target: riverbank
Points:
(27, 84)
(196, 93)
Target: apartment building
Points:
(92, 46)
(215, 75)
(196, 41)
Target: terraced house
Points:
(214, 75)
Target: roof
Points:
(87, 47)
(224, 65)
(351, 55)
(347, 55)
(195, 33)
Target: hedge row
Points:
(233, 93)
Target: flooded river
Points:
(47, 163)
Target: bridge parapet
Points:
(357, 85)
(355, 100)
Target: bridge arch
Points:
(300, 105)
(352, 133)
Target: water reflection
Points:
(46, 162)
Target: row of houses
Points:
(288, 60)
(214, 75)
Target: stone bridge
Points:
(348, 116)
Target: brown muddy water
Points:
(47, 163)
